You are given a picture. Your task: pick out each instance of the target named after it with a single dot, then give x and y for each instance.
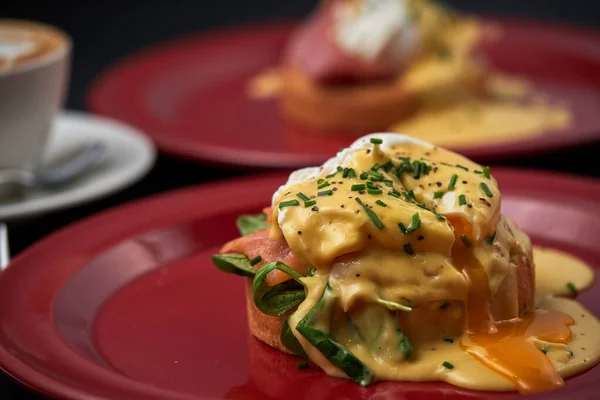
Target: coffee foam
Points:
(23, 42)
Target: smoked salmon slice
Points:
(260, 244)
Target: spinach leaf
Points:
(289, 340)
(279, 299)
(235, 263)
(337, 354)
(248, 224)
(405, 346)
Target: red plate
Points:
(189, 94)
(126, 304)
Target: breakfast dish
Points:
(392, 261)
(410, 66)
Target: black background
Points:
(104, 31)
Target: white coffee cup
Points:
(34, 70)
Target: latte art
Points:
(23, 42)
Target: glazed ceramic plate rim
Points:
(87, 188)
(587, 39)
(26, 373)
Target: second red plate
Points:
(190, 95)
(127, 305)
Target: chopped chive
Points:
(444, 305)
(376, 141)
(328, 177)
(462, 200)
(394, 193)
(325, 193)
(351, 174)
(320, 181)
(486, 190)
(452, 182)
(341, 149)
(418, 167)
(388, 183)
(408, 249)
(309, 203)
(446, 364)
(289, 203)
(462, 167)
(387, 167)
(364, 176)
(381, 203)
(374, 191)
(376, 175)
(339, 169)
(446, 164)
(311, 272)
(423, 206)
(572, 288)
(378, 223)
(357, 187)
(438, 216)
(465, 240)
(345, 173)
(375, 167)
(255, 260)
(371, 185)
(438, 195)
(449, 340)
(415, 223)
(410, 195)
(302, 196)
(302, 365)
(492, 238)
(402, 227)
(486, 172)
(478, 172)
(323, 185)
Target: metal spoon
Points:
(90, 156)
(4, 253)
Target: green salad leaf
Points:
(234, 263)
(337, 354)
(279, 299)
(289, 340)
(248, 224)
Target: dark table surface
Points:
(104, 31)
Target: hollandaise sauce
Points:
(403, 268)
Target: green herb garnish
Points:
(486, 172)
(378, 223)
(438, 195)
(302, 365)
(452, 182)
(462, 167)
(325, 193)
(289, 203)
(486, 190)
(374, 191)
(323, 185)
(364, 176)
(462, 200)
(255, 260)
(446, 364)
(572, 288)
(358, 187)
(376, 141)
(302, 196)
(309, 203)
(381, 203)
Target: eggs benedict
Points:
(392, 261)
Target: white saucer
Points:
(129, 156)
